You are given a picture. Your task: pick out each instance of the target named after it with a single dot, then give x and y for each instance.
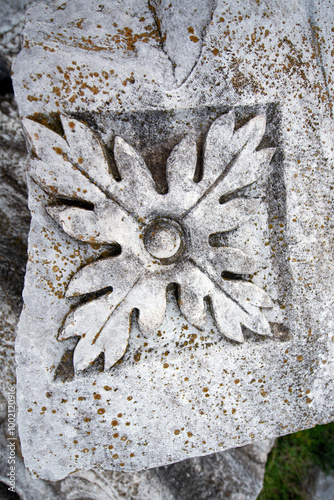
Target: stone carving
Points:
(181, 28)
(164, 238)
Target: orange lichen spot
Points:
(59, 151)
(85, 450)
(71, 125)
(114, 423)
(107, 388)
(237, 381)
(194, 38)
(55, 269)
(177, 432)
(233, 411)
(190, 434)
(165, 365)
(87, 419)
(115, 456)
(115, 435)
(97, 396)
(110, 447)
(206, 389)
(29, 410)
(300, 358)
(120, 415)
(100, 411)
(215, 51)
(80, 160)
(43, 408)
(132, 455)
(129, 398)
(191, 30)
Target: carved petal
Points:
(44, 142)
(67, 164)
(222, 218)
(181, 166)
(151, 302)
(227, 316)
(230, 309)
(250, 135)
(246, 170)
(231, 162)
(215, 260)
(85, 353)
(115, 335)
(245, 293)
(193, 289)
(113, 271)
(111, 225)
(234, 260)
(174, 18)
(87, 321)
(256, 321)
(103, 325)
(79, 223)
(63, 179)
(217, 148)
(136, 190)
(87, 152)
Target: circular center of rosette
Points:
(163, 239)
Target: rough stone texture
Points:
(233, 474)
(246, 475)
(324, 487)
(107, 68)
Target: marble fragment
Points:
(177, 295)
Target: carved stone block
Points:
(178, 286)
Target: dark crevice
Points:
(227, 275)
(109, 152)
(96, 366)
(51, 121)
(6, 86)
(70, 202)
(200, 161)
(65, 369)
(87, 297)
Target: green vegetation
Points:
(289, 465)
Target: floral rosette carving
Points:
(164, 238)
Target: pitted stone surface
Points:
(251, 125)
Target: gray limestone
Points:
(178, 290)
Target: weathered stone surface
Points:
(183, 480)
(178, 392)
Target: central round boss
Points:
(164, 240)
